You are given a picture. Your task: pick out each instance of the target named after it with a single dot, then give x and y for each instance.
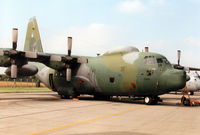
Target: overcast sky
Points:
(99, 25)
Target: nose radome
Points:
(178, 72)
(176, 79)
(179, 78)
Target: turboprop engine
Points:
(25, 70)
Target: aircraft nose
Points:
(179, 78)
(176, 79)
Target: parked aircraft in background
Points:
(194, 82)
(122, 71)
(193, 85)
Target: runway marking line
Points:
(89, 120)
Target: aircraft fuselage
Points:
(131, 74)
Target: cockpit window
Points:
(162, 60)
(149, 60)
(159, 60)
(165, 61)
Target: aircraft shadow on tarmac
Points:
(122, 100)
(167, 101)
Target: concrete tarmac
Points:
(47, 114)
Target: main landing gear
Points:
(68, 96)
(102, 97)
(152, 100)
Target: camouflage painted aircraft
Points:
(120, 72)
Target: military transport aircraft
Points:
(122, 71)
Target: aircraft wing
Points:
(176, 66)
(17, 59)
(52, 60)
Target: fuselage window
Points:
(149, 60)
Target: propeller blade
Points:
(179, 56)
(14, 38)
(69, 45)
(13, 71)
(68, 74)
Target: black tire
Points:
(187, 102)
(155, 101)
(183, 99)
(148, 100)
(191, 92)
(65, 96)
(37, 84)
(101, 97)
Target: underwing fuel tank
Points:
(25, 70)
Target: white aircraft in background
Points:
(193, 84)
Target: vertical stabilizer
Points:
(33, 41)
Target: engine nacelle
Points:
(5, 61)
(25, 70)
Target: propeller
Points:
(69, 45)
(68, 74)
(14, 47)
(179, 56)
(68, 69)
(68, 60)
(14, 38)
(178, 66)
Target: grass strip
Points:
(24, 89)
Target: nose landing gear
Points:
(152, 100)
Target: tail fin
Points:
(33, 41)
